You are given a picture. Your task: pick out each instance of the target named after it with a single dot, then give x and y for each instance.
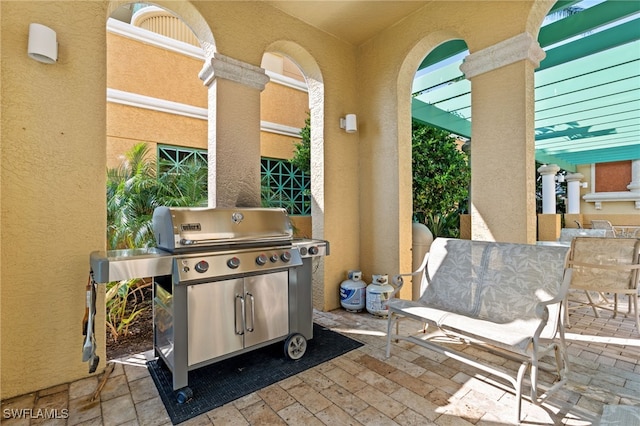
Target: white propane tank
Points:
(378, 292)
(352, 292)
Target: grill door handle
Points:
(250, 298)
(239, 329)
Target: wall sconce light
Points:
(43, 45)
(349, 123)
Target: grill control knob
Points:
(273, 258)
(313, 250)
(233, 263)
(262, 259)
(303, 251)
(286, 256)
(202, 266)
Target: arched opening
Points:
(157, 132)
(310, 70)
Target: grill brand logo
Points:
(190, 227)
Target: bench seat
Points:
(501, 296)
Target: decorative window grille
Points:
(173, 158)
(283, 184)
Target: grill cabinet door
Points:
(267, 307)
(212, 319)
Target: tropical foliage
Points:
(441, 178)
(134, 189)
(302, 151)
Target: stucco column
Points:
(548, 173)
(634, 186)
(503, 162)
(234, 130)
(573, 192)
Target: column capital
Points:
(572, 177)
(550, 169)
(221, 66)
(518, 48)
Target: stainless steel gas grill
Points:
(227, 281)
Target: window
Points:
(283, 184)
(174, 158)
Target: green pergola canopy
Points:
(587, 89)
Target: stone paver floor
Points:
(414, 386)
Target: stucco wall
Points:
(52, 198)
(153, 71)
(53, 151)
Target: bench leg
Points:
(518, 386)
(391, 319)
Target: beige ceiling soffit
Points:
(515, 49)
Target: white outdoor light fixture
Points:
(43, 45)
(349, 123)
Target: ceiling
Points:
(587, 90)
(354, 21)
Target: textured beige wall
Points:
(54, 156)
(152, 71)
(139, 124)
(292, 112)
(52, 197)
(274, 145)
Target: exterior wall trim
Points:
(280, 129)
(155, 104)
(144, 36)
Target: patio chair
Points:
(606, 225)
(606, 265)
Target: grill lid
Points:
(180, 229)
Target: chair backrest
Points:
(497, 281)
(606, 225)
(607, 252)
(568, 234)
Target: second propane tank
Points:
(378, 292)
(352, 292)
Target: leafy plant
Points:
(134, 189)
(124, 304)
(302, 151)
(441, 177)
(440, 225)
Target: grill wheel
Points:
(295, 346)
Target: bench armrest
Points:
(398, 280)
(559, 297)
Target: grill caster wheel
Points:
(295, 346)
(184, 395)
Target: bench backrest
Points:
(604, 251)
(502, 282)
